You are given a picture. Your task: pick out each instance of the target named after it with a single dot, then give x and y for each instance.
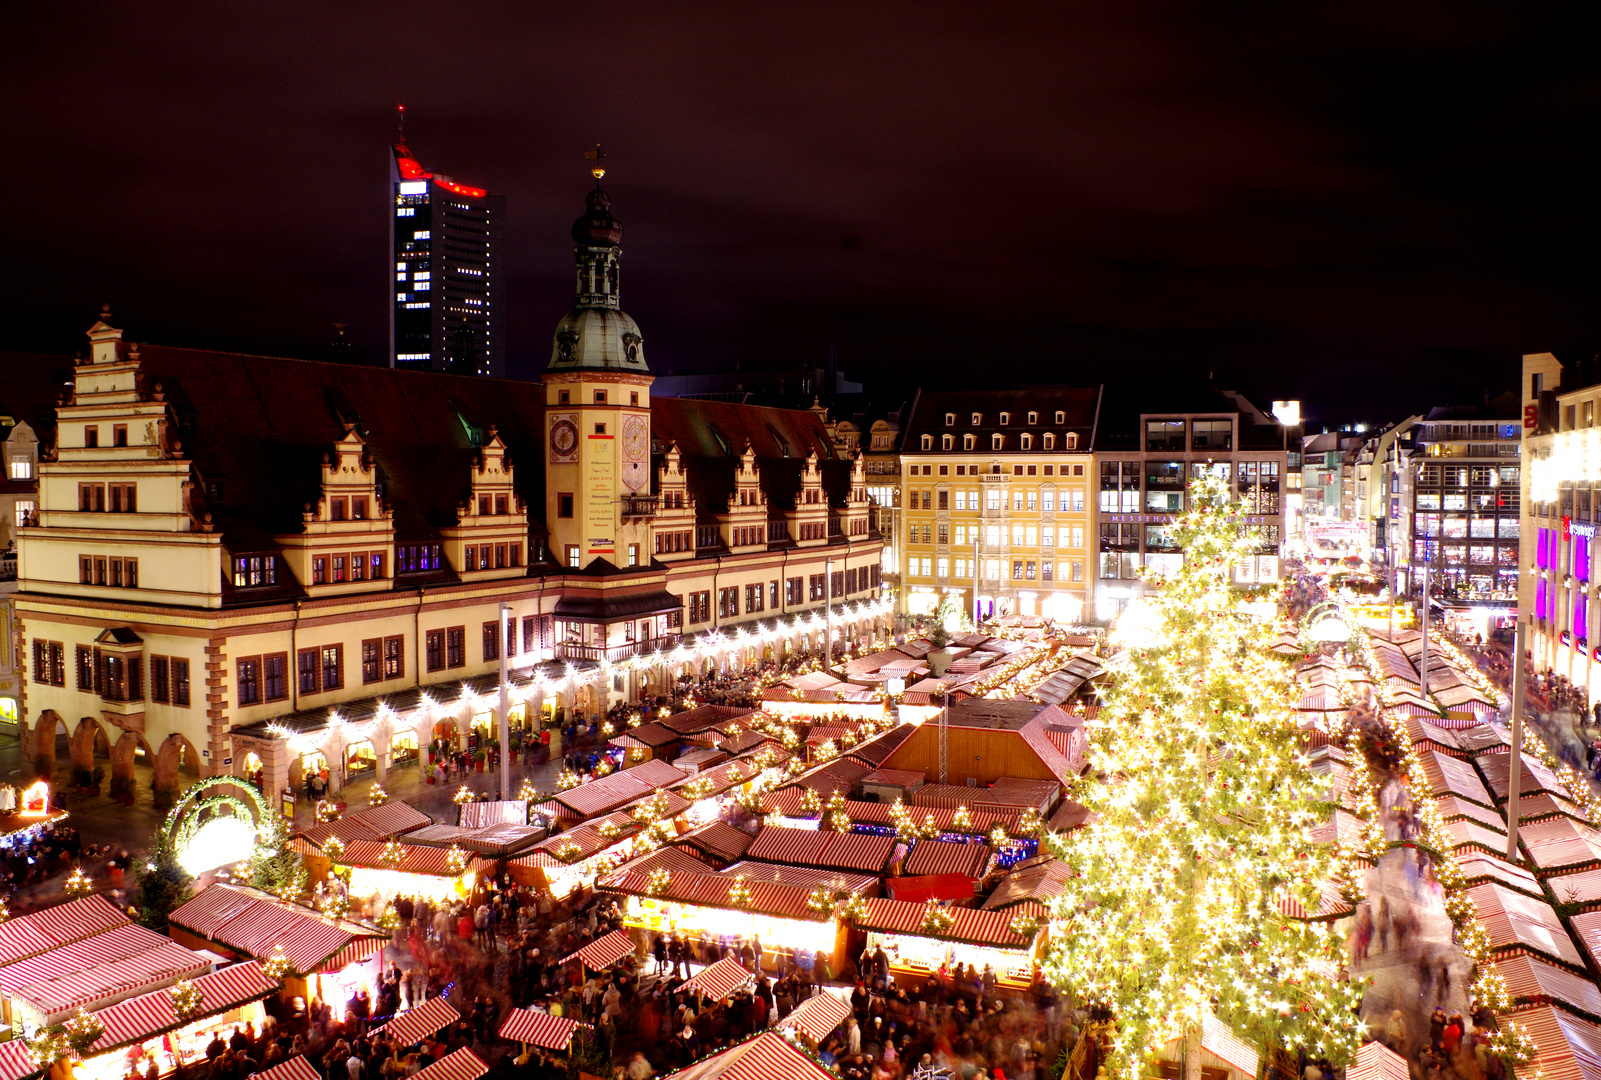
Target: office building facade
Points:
(447, 269)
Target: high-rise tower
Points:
(597, 397)
(449, 282)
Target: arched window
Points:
(1026, 441)
(947, 442)
(1072, 440)
(928, 442)
(997, 442)
(969, 442)
(1049, 441)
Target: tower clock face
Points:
(563, 438)
(634, 439)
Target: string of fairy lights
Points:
(1206, 809)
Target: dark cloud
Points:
(1371, 206)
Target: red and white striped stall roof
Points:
(481, 815)
(829, 850)
(719, 980)
(1561, 842)
(976, 927)
(539, 1028)
(768, 1056)
(607, 793)
(296, 1068)
(415, 1025)
(391, 819)
(603, 953)
(1519, 923)
(106, 982)
(1216, 1037)
(415, 859)
(142, 1017)
(1570, 1048)
(667, 858)
(1532, 981)
(460, 1064)
(115, 944)
(252, 922)
(712, 890)
(944, 857)
(1375, 1061)
(15, 1062)
(41, 931)
(817, 1016)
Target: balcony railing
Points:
(577, 650)
(639, 505)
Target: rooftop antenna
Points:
(596, 170)
(400, 111)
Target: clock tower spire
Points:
(597, 399)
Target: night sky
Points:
(1373, 207)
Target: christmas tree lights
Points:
(1203, 836)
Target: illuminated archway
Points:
(216, 822)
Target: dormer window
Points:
(928, 442)
(997, 442)
(1061, 416)
(969, 442)
(978, 418)
(950, 419)
(1072, 440)
(1026, 441)
(1033, 418)
(947, 442)
(1006, 418)
(1048, 441)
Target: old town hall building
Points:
(254, 565)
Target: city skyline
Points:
(1274, 200)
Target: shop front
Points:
(922, 938)
(384, 871)
(711, 907)
(150, 1029)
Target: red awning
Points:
(602, 954)
(151, 1014)
(460, 1064)
(719, 980)
(817, 1016)
(15, 1062)
(1375, 1061)
(415, 1025)
(296, 1068)
(931, 887)
(539, 1028)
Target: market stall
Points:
(414, 1025)
(1375, 1061)
(537, 1028)
(816, 1017)
(460, 1064)
(767, 1056)
(561, 865)
(328, 958)
(601, 954)
(717, 981)
(921, 938)
(15, 1064)
(163, 1027)
(391, 869)
(296, 1068)
(711, 907)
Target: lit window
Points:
(422, 286)
(423, 275)
(401, 276)
(22, 470)
(414, 187)
(422, 234)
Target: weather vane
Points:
(596, 170)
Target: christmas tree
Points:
(163, 882)
(276, 866)
(1205, 806)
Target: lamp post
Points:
(505, 703)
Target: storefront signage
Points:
(1578, 529)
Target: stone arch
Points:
(177, 755)
(122, 758)
(85, 740)
(45, 732)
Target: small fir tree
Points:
(276, 866)
(1204, 809)
(162, 880)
